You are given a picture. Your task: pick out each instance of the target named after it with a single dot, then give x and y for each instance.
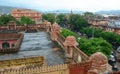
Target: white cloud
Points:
(83, 5)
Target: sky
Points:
(81, 5)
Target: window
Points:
(5, 45)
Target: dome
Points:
(99, 60)
(55, 26)
(45, 22)
(70, 41)
(48, 23)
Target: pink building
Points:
(18, 13)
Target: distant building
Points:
(18, 13)
(106, 25)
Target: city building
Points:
(18, 13)
(106, 25)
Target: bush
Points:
(66, 32)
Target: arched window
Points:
(5, 45)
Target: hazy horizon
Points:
(86, 5)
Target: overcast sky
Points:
(82, 5)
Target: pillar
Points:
(48, 26)
(70, 42)
(55, 31)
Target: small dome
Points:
(55, 26)
(70, 41)
(99, 60)
(45, 22)
(48, 23)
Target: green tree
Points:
(88, 14)
(66, 32)
(26, 20)
(111, 37)
(90, 31)
(4, 19)
(90, 46)
(61, 20)
(77, 22)
(49, 17)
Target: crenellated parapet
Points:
(53, 69)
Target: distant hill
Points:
(111, 12)
(61, 11)
(6, 9)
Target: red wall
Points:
(8, 41)
(79, 68)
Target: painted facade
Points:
(18, 13)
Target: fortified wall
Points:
(77, 62)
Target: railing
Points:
(83, 56)
(60, 40)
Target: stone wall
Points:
(55, 69)
(19, 62)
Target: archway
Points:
(5, 45)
